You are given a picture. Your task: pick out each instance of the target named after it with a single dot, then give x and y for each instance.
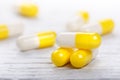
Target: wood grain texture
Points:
(37, 65)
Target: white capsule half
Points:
(10, 30)
(92, 27)
(28, 42)
(77, 21)
(15, 28)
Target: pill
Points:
(80, 58)
(61, 56)
(28, 9)
(79, 40)
(39, 40)
(78, 20)
(102, 27)
(94, 52)
(10, 30)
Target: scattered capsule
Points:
(28, 9)
(80, 58)
(79, 40)
(40, 40)
(61, 56)
(77, 21)
(102, 27)
(10, 30)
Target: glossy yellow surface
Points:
(80, 58)
(30, 10)
(107, 26)
(61, 56)
(3, 31)
(84, 15)
(46, 39)
(87, 40)
(47, 33)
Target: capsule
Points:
(94, 52)
(80, 58)
(10, 30)
(61, 56)
(77, 21)
(39, 40)
(28, 9)
(102, 27)
(79, 40)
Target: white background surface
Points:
(36, 64)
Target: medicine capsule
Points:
(94, 52)
(102, 27)
(79, 40)
(77, 21)
(61, 56)
(10, 30)
(40, 40)
(80, 58)
(28, 9)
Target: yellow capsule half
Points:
(107, 26)
(80, 58)
(79, 40)
(88, 40)
(84, 15)
(46, 39)
(61, 56)
(3, 31)
(28, 9)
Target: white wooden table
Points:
(36, 64)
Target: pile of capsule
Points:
(78, 46)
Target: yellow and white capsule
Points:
(28, 9)
(40, 40)
(79, 40)
(102, 27)
(77, 21)
(10, 30)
